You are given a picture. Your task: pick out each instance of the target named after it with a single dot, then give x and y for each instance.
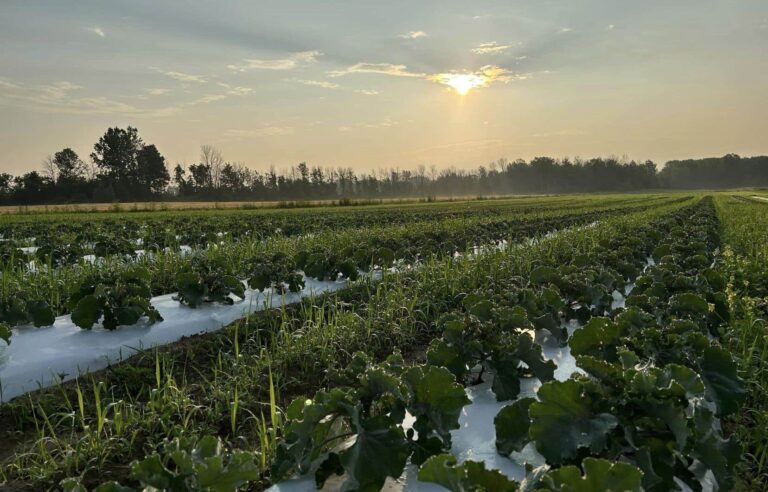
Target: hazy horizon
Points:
(369, 85)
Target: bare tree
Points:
(49, 168)
(211, 156)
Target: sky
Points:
(371, 84)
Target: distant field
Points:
(203, 205)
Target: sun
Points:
(462, 83)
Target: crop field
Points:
(562, 343)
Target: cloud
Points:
(467, 80)
(267, 131)
(288, 63)
(62, 97)
(379, 68)
(58, 97)
(413, 35)
(368, 92)
(206, 99)
(611, 27)
(236, 90)
(97, 31)
(317, 83)
(183, 77)
(565, 29)
(491, 48)
(158, 92)
(461, 81)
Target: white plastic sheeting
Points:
(41, 357)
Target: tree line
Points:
(122, 167)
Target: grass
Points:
(745, 231)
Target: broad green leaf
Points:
(724, 385)
(506, 378)
(468, 476)
(451, 357)
(563, 421)
(128, 316)
(530, 352)
(260, 281)
(437, 397)
(87, 312)
(598, 338)
(600, 369)
(478, 306)
(380, 451)
(512, 424)
(240, 469)
(688, 303)
(719, 455)
(151, 472)
(599, 476)
(192, 291)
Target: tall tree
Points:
(152, 174)
(116, 154)
(69, 166)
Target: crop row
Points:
(64, 243)
(120, 292)
(491, 331)
(656, 381)
(232, 383)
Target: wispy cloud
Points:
(317, 83)
(492, 48)
(182, 77)
(611, 27)
(462, 81)
(368, 92)
(97, 31)
(236, 90)
(157, 92)
(413, 35)
(60, 97)
(206, 99)
(266, 131)
(565, 30)
(379, 68)
(288, 63)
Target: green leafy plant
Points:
(115, 299)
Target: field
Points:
(564, 343)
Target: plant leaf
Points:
(512, 424)
(563, 421)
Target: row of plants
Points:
(745, 236)
(67, 239)
(121, 291)
(264, 222)
(65, 243)
(234, 383)
(356, 428)
(654, 407)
